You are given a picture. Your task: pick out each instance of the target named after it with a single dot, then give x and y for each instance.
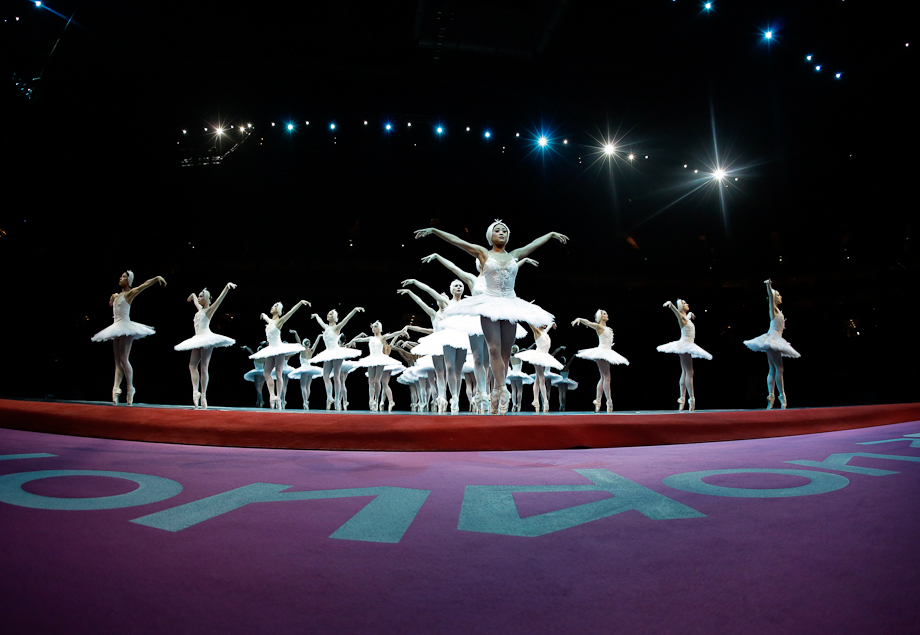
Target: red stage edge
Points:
(321, 430)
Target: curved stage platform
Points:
(416, 432)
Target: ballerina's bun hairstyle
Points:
(206, 294)
(280, 307)
(680, 309)
(597, 315)
(130, 277)
(498, 221)
(335, 315)
(377, 324)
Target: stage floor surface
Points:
(404, 431)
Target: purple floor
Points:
(623, 551)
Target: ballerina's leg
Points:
(327, 381)
(193, 363)
(776, 362)
(539, 388)
(305, 390)
(260, 386)
(373, 383)
(267, 378)
(119, 372)
(563, 393)
(388, 392)
(604, 367)
(337, 376)
(454, 358)
(204, 371)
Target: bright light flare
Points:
(543, 141)
(488, 135)
(290, 126)
(719, 174)
(609, 149)
(768, 35)
(440, 130)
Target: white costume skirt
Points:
(205, 340)
(380, 360)
(472, 325)
(597, 353)
(332, 354)
(123, 328)
(684, 348)
(281, 349)
(434, 344)
(565, 381)
(251, 375)
(537, 358)
(547, 374)
(773, 342)
(527, 379)
(498, 308)
(306, 371)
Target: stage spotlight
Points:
(808, 58)
(565, 142)
(332, 126)
(365, 122)
(838, 75)
(38, 3)
(249, 125)
(542, 141)
(632, 156)
(440, 130)
(708, 5)
(768, 35)
(488, 134)
(307, 123)
(219, 130)
(467, 128)
(290, 126)
(388, 127)
(609, 149)
(719, 174)
(185, 132)
(818, 68)
(409, 125)
(273, 124)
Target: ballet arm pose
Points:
(556, 352)
(351, 314)
(427, 309)
(284, 318)
(681, 318)
(359, 338)
(247, 349)
(771, 297)
(526, 250)
(311, 349)
(474, 250)
(591, 325)
(406, 355)
(131, 293)
(211, 310)
(465, 278)
(440, 298)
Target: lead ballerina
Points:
(773, 344)
(686, 350)
(498, 307)
(204, 343)
(123, 331)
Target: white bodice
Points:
(778, 323)
(272, 334)
(121, 310)
(479, 285)
(605, 339)
(202, 322)
(436, 320)
(376, 345)
(687, 332)
(516, 363)
(543, 343)
(500, 279)
(330, 338)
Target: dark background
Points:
(94, 181)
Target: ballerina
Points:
(498, 308)
(473, 327)
(773, 344)
(517, 379)
(256, 375)
(123, 331)
(686, 350)
(276, 353)
(306, 372)
(563, 384)
(603, 354)
(204, 342)
(378, 361)
(447, 345)
(541, 360)
(333, 355)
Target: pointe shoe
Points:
(391, 407)
(536, 405)
(204, 402)
(338, 404)
(344, 405)
(329, 403)
(546, 407)
(494, 399)
(609, 407)
(196, 397)
(454, 405)
(275, 403)
(373, 406)
(597, 405)
(782, 401)
(692, 404)
(442, 405)
(130, 398)
(503, 401)
(769, 402)
(681, 401)
(115, 392)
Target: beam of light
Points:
(631, 157)
(488, 135)
(808, 58)
(768, 35)
(719, 174)
(542, 141)
(610, 149)
(838, 75)
(290, 126)
(439, 130)
(818, 68)
(388, 127)
(332, 126)
(707, 6)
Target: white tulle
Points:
(773, 339)
(434, 344)
(123, 325)
(498, 301)
(275, 345)
(333, 350)
(685, 345)
(306, 370)
(603, 350)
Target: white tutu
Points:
(682, 347)
(607, 354)
(434, 344)
(565, 381)
(251, 375)
(501, 308)
(472, 325)
(547, 374)
(332, 354)
(306, 370)
(281, 349)
(772, 341)
(468, 365)
(537, 358)
(123, 328)
(205, 340)
(380, 360)
(527, 379)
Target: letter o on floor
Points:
(821, 483)
(152, 489)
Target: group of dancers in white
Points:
(470, 345)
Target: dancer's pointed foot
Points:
(546, 407)
(391, 407)
(494, 399)
(442, 405)
(196, 398)
(503, 401)
(204, 402)
(597, 405)
(609, 407)
(536, 405)
(782, 400)
(275, 403)
(681, 401)
(115, 392)
(130, 398)
(770, 401)
(455, 405)
(692, 404)
(329, 404)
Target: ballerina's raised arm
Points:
(440, 298)
(528, 249)
(130, 294)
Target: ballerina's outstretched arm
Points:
(440, 298)
(474, 250)
(468, 279)
(528, 261)
(194, 298)
(427, 309)
(557, 351)
(284, 318)
(526, 250)
(770, 297)
(351, 314)
(591, 325)
(247, 349)
(681, 318)
(130, 294)
(406, 355)
(360, 338)
(211, 310)
(296, 336)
